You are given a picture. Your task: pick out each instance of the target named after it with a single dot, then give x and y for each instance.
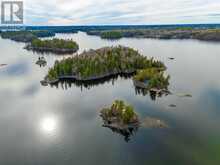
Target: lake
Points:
(49, 125)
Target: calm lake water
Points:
(61, 126)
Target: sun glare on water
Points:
(48, 125)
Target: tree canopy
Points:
(104, 61)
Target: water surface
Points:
(50, 125)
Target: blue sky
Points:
(114, 12)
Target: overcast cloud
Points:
(96, 12)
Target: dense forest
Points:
(199, 32)
(54, 43)
(111, 35)
(103, 62)
(174, 33)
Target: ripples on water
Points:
(49, 125)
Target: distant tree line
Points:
(25, 36)
(111, 35)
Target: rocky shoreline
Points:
(53, 50)
(142, 85)
(1, 65)
(93, 78)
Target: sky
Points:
(120, 12)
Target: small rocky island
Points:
(120, 118)
(41, 62)
(2, 65)
(152, 79)
(151, 122)
(58, 46)
(101, 63)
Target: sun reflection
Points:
(48, 125)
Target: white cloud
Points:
(75, 12)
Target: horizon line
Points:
(186, 24)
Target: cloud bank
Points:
(114, 12)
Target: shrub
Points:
(124, 113)
(155, 78)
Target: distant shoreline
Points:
(202, 32)
(110, 27)
(212, 35)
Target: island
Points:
(120, 118)
(41, 62)
(1, 65)
(111, 35)
(58, 46)
(151, 122)
(152, 79)
(101, 63)
(26, 36)
(203, 34)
